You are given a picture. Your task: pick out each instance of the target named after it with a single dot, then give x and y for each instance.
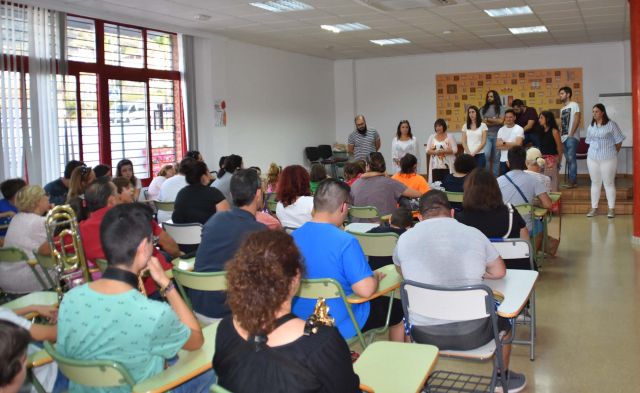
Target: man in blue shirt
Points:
(222, 235)
(8, 209)
(59, 188)
(329, 252)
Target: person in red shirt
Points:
(101, 196)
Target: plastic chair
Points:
(184, 234)
(16, 255)
(271, 202)
(47, 263)
(94, 373)
(456, 304)
(376, 244)
(455, 197)
(329, 288)
(521, 249)
(363, 212)
(218, 389)
(327, 158)
(204, 281)
(164, 206)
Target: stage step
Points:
(578, 200)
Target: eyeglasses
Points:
(154, 240)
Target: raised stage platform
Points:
(578, 200)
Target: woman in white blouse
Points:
(474, 136)
(441, 149)
(605, 140)
(167, 171)
(26, 232)
(404, 142)
(293, 192)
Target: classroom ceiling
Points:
(432, 26)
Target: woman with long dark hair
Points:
(403, 143)
(551, 147)
(474, 136)
(605, 140)
(125, 169)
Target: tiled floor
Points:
(588, 325)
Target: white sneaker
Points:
(592, 213)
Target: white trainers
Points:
(592, 213)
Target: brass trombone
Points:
(61, 224)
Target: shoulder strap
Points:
(517, 188)
(510, 208)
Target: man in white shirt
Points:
(509, 135)
(170, 188)
(570, 119)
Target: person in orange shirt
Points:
(408, 175)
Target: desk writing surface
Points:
(362, 227)
(390, 282)
(392, 367)
(515, 287)
(555, 196)
(189, 365)
(32, 299)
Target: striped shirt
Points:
(602, 140)
(363, 144)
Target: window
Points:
(123, 46)
(81, 39)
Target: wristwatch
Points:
(163, 291)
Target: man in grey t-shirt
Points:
(363, 140)
(441, 251)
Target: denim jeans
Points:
(481, 161)
(491, 151)
(570, 148)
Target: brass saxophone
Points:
(61, 223)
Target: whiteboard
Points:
(618, 107)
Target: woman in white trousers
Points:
(605, 140)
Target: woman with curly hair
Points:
(293, 193)
(262, 346)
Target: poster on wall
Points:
(537, 88)
(220, 107)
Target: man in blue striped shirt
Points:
(363, 140)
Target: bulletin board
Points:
(537, 88)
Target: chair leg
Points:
(532, 315)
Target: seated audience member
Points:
(26, 232)
(197, 201)
(466, 257)
(102, 170)
(484, 210)
(255, 345)
(231, 164)
(353, 171)
(258, 170)
(58, 189)
(518, 187)
(109, 319)
(81, 178)
(8, 209)
(535, 166)
(462, 166)
(374, 188)
(195, 154)
(317, 174)
(293, 193)
(340, 257)
(399, 222)
(101, 196)
(124, 191)
(45, 374)
(221, 237)
(272, 177)
(125, 169)
(172, 186)
(14, 341)
(166, 172)
(408, 174)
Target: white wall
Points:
(388, 90)
(277, 102)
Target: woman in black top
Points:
(483, 208)
(551, 147)
(262, 347)
(197, 202)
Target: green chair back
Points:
(94, 373)
(329, 288)
(47, 263)
(364, 212)
(376, 244)
(218, 389)
(15, 255)
(210, 281)
(455, 196)
(272, 203)
(164, 206)
(102, 264)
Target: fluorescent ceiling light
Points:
(391, 41)
(282, 6)
(511, 11)
(345, 27)
(527, 30)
